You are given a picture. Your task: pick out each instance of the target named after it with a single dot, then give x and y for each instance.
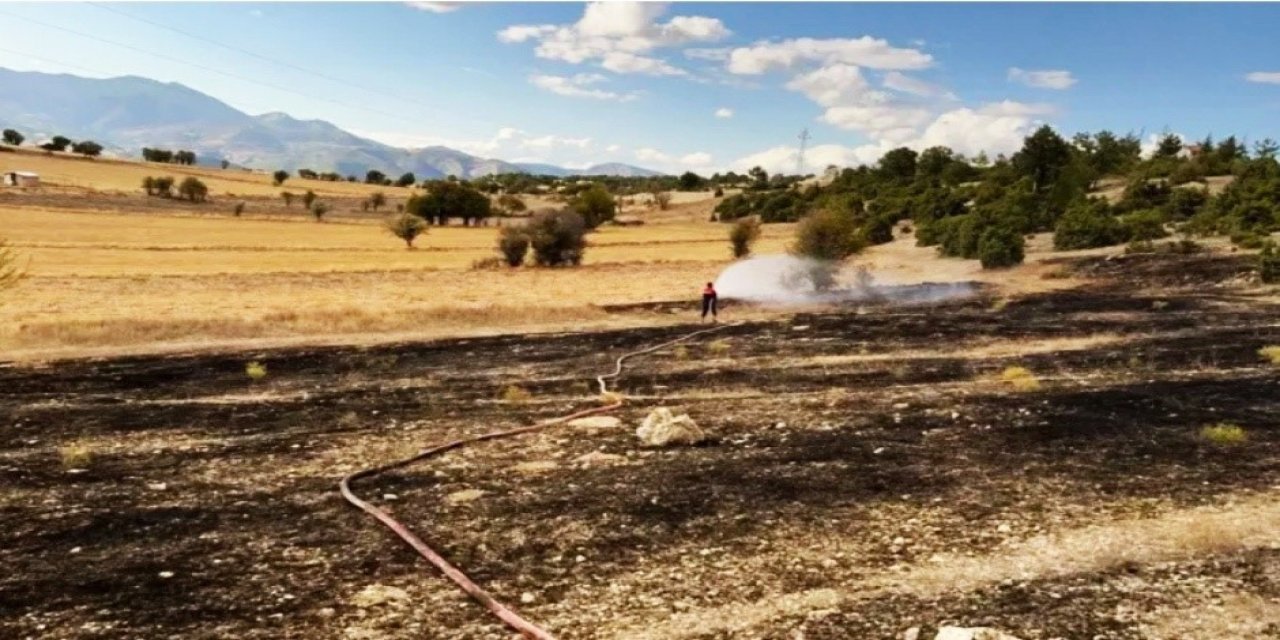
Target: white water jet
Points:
(789, 280)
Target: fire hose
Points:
(504, 613)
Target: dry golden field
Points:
(111, 272)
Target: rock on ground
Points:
(380, 594)
(593, 423)
(661, 428)
(972, 633)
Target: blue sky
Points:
(703, 86)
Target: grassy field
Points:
(110, 269)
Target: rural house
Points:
(21, 179)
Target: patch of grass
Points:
(1224, 434)
(75, 456)
(999, 304)
(1271, 353)
(516, 395)
(610, 397)
(681, 352)
(1020, 378)
(1159, 305)
(255, 370)
(718, 347)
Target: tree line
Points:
(165, 155)
(87, 148)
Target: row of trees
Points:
(165, 155)
(191, 188)
(982, 210)
(87, 148)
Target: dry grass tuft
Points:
(611, 397)
(1224, 434)
(516, 395)
(1020, 378)
(681, 352)
(76, 456)
(1271, 353)
(718, 347)
(255, 370)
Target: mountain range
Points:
(128, 113)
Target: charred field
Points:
(872, 469)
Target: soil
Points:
(175, 497)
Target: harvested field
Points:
(870, 472)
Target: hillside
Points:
(130, 112)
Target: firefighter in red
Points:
(709, 301)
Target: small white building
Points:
(21, 179)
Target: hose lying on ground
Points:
(509, 617)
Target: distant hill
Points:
(129, 112)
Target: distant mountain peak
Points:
(130, 112)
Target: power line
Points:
(283, 63)
(207, 68)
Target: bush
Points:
(407, 227)
(1271, 353)
(255, 370)
(515, 395)
(193, 189)
(287, 197)
(513, 244)
(163, 186)
(595, 206)
(1186, 202)
(318, 210)
(239, 208)
(1086, 225)
(558, 238)
(742, 235)
(1020, 378)
(1000, 247)
(308, 199)
(280, 176)
(1224, 434)
(827, 235)
(1269, 263)
(1147, 224)
(719, 193)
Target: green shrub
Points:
(1185, 203)
(1000, 247)
(1085, 225)
(1224, 434)
(1269, 263)
(255, 370)
(827, 235)
(193, 189)
(513, 244)
(407, 227)
(558, 238)
(1147, 224)
(742, 235)
(1248, 240)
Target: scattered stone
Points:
(595, 423)
(376, 595)
(76, 550)
(600, 458)
(911, 634)
(157, 486)
(390, 497)
(166, 574)
(464, 496)
(326, 612)
(800, 327)
(535, 467)
(662, 428)
(1004, 528)
(527, 597)
(972, 633)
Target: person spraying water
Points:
(710, 302)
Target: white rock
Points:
(527, 597)
(662, 428)
(1004, 528)
(972, 633)
(911, 634)
(166, 574)
(380, 594)
(596, 422)
(76, 549)
(157, 486)
(390, 496)
(464, 496)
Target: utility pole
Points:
(804, 142)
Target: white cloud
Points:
(717, 55)
(866, 51)
(578, 86)
(1044, 79)
(853, 104)
(1265, 77)
(698, 159)
(550, 141)
(616, 34)
(994, 128)
(436, 7)
(649, 154)
(724, 112)
(613, 148)
(623, 62)
(907, 84)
